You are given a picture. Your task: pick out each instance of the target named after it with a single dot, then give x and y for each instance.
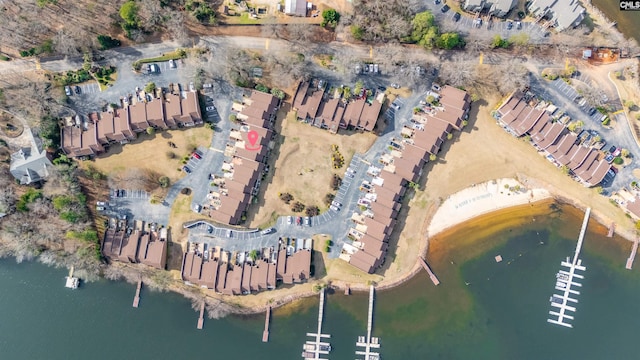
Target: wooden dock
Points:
(433, 276)
(612, 229)
(265, 333)
(632, 257)
(369, 343)
(136, 299)
(201, 318)
(313, 349)
(567, 281)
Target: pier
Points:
(201, 318)
(136, 299)
(368, 342)
(265, 333)
(612, 229)
(632, 257)
(432, 276)
(72, 282)
(566, 283)
(312, 349)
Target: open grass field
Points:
(150, 152)
(304, 168)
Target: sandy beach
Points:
(480, 199)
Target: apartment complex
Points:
(245, 159)
(92, 135)
(239, 274)
(499, 8)
(146, 245)
(401, 165)
(560, 146)
(329, 111)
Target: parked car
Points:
(266, 231)
(609, 158)
(298, 220)
(349, 175)
(155, 68)
(186, 169)
(436, 2)
(229, 232)
(77, 89)
(395, 86)
(210, 108)
(335, 203)
(509, 25)
(435, 87)
(445, 8)
(456, 17)
(382, 88)
(307, 221)
(518, 25)
(207, 85)
(196, 155)
(209, 229)
(592, 111)
(192, 87)
(172, 64)
(101, 203)
(67, 90)
(100, 208)
(334, 208)
(289, 220)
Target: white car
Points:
(229, 233)
(289, 220)
(334, 208)
(172, 64)
(206, 86)
(210, 108)
(266, 231)
(101, 203)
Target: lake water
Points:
(628, 21)
(500, 314)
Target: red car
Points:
(196, 155)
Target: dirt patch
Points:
(304, 167)
(152, 153)
(10, 126)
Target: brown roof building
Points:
(121, 125)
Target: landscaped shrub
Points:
(329, 198)
(336, 181)
(618, 160)
(107, 42)
(286, 197)
(297, 207)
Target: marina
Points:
(265, 333)
(368, 342)
(72, 282)
(312, 349)
(432, 276)
(136, 299)
(566, 283)
(632, 257)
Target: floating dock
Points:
(71, 282)
(201, 318)
(368, 342)
(566, 283)
(136, 299)
(265, 333)
(433, 276)
(313, 349)
(612, 229)
(632, 257)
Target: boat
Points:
(556, 299)
(308, 355)
(561, 284)
(561, 276)
(325, 347)
(308, 347)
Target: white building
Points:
(562, 13)
(499, 8)
(295, 7)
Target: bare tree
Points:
(151, 13)
(65, 44)
(177, 29)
